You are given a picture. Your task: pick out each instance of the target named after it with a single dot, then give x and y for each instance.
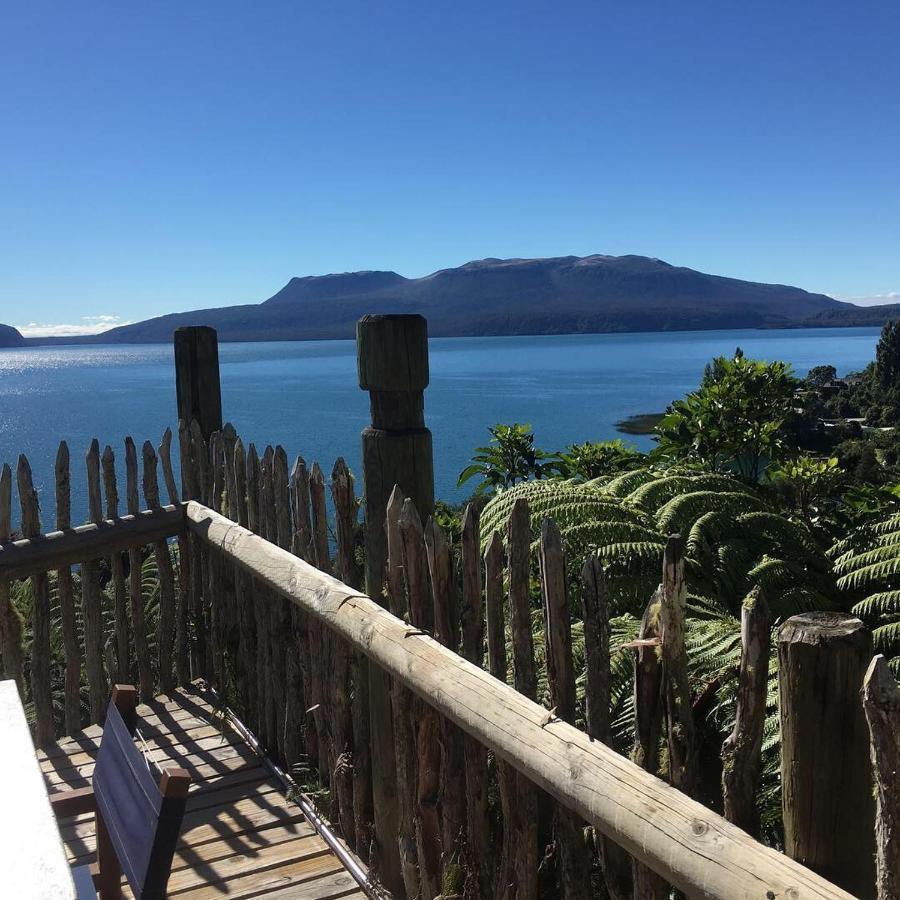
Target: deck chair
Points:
(137, 819)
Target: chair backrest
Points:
(142, 819)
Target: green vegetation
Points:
(791, 485)
(735, 420)
(510, 457)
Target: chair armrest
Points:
(73, 803)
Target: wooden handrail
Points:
(36, 555)
(692, 847)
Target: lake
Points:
(304, 395)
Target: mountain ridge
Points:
(491, 296)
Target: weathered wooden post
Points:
(825, 768)
(197, 377)
(392, 360)
(881, 701)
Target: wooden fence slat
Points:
(503, 877)
(92, 598)
(478, 822)
(183, 595)
(339, 668)
(228, 573)
(66, 593)
(318, 636)
(494, 615)
(402, 707)
(677, 709)
(742, 750)
(452, 795)
(573, 853)
(164, 452)
(10, 620)
(319, 518)
(648, 718)
(346, 510)
(201, 598)
(40, 612)
(121, 672)
(267, 529)
(521, 828)
(426, 721)
(302, 526)
(254, 523)
(298, 736)
(615, 862)
(193, 609)
(244, 590)
(881, 702)
(135, 582)
(217, 608)
(280, 610)
(165, 627)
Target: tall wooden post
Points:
(826, 773)
(197, 377)
(392, 359)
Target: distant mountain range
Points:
(10, 337)
(558, 295)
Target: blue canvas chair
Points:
(138, 819)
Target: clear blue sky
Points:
(170, 155)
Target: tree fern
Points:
(734, 539)
(867, 563)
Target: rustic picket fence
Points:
(486, 793)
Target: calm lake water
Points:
(305, 395)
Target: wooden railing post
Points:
(197, 377)
(392, 359)
(825, 768)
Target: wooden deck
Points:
(241, 837)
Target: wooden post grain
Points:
(648, 718)
(356, 752)
(472, 620)
(573, 853)
(165, 628)
(881, 702)
(40, 612)
(392, 361)
(679, 716)
(402, 702)
(68, 618)
(255, 518)
(615, 861)
(426, 720)
(319, 636)
(200, 473)
(826, 772)
(197, 385)
(120, 602)
(300, 730)
(521, 828)
(92, 598)
(742, 750)
(135, 591)
(452, 796)
(10, 621)
(183, 599)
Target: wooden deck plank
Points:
(241, 836)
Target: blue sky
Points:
(166, 156)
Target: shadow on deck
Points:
(241, 836)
